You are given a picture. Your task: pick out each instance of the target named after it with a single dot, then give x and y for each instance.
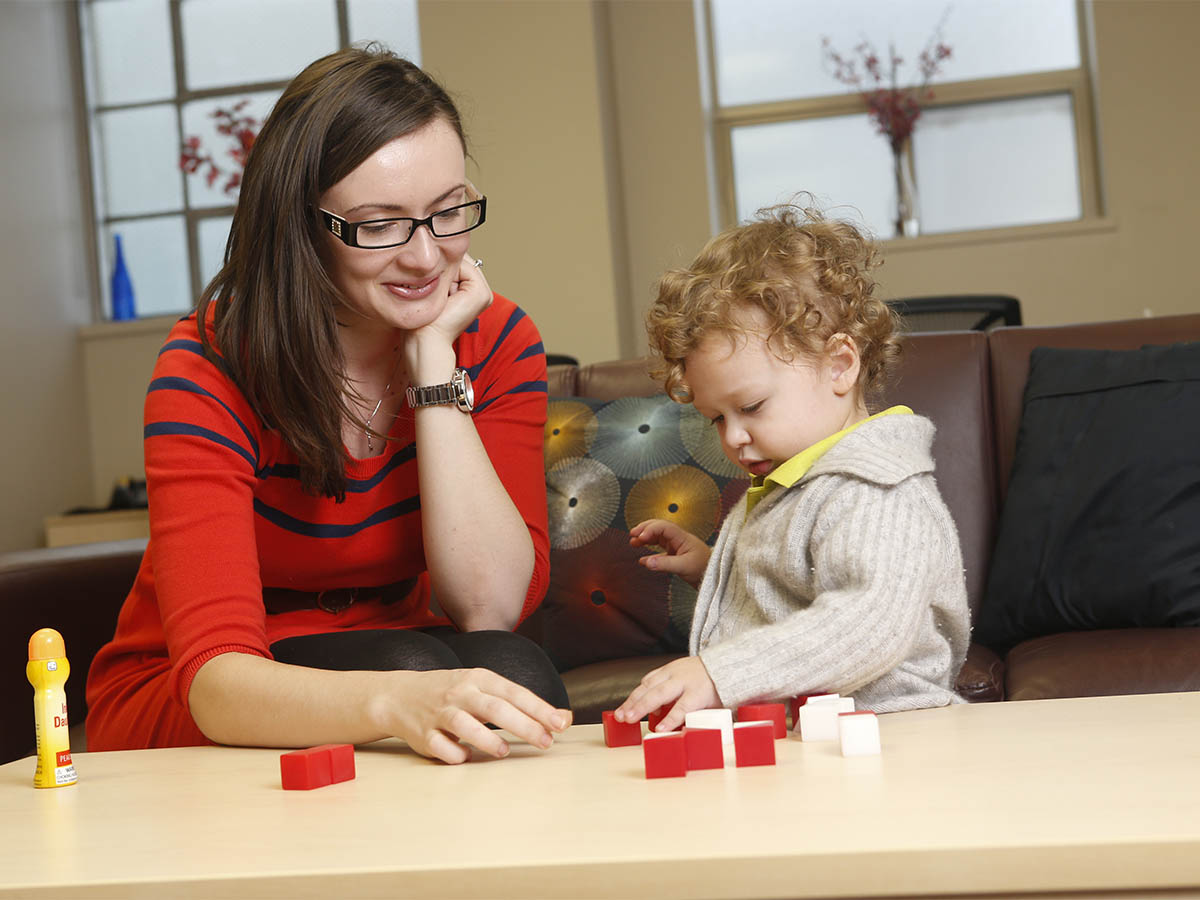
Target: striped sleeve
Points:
(202, 446)
(508, 369)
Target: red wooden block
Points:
(620, 734)
(754, 743)
(341, 761)
(661, 713)
(303, 770)
(665, 755)
(704, 748)
(765, 712)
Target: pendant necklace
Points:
(367, 424)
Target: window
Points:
(1007, 139)
(154, 72)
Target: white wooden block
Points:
(712, 718)
(859, 732)
(845, 704)
(819, 721)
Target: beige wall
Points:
(598, 104)
(44, 292)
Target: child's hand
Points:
(684, 682)
(686, 555)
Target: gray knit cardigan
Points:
(850, 581)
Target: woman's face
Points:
(415, 175)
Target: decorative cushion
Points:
(1101, 524)
(608, 467)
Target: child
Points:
(840, 571)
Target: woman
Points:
(357, 424)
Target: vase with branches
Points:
(241, 129)
(894, 108)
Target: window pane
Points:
(391, 22)
(211, 235)
(131, 51)
(771, 49)
(232, 41)
(156, 256)
(199, 122)
(139, 153)
(988, 165)
(841, 161)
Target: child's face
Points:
(766, 409)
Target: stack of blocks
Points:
(830, 717)
(303, 770)
(706, 733)
(702, 742)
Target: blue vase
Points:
(122, 287)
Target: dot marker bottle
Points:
(47, 670)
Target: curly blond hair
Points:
(810, 277)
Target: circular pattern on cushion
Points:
(683, 495)
(636, 435)
(582, 496)
(570, 430)
(703, 442)
(602, 604)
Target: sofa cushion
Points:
(1100, 663)
(609, 465)
(1101, 523)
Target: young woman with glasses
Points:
(343, 456)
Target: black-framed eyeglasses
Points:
(376, 234)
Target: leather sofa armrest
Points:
(981, 679)
(77, 590)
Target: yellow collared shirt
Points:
(789, 472)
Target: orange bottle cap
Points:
(46, 643)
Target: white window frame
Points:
(1074, 82)
(193, 216)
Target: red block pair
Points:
(776, 713)
(303, 770)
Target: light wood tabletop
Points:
(1099, 795)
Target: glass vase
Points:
(908, 214)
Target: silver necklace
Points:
(367, 424)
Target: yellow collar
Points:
(791, 471)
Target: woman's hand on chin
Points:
(469, 295)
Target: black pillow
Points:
(1101, 525)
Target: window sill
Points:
(1018, 233)
(129, 328)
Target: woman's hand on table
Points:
(438, 712)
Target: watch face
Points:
(466, 400)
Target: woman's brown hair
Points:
(273, 303)
(810, 277)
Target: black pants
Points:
(387, 649)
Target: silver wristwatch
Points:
(457, 390)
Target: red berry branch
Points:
(242, 129)
(893, 108)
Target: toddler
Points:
(840, 570)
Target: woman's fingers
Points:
(474, 698)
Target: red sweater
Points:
(228, 517)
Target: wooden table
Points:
(1099, 795)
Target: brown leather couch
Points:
(969, 383)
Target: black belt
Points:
(285, 600)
